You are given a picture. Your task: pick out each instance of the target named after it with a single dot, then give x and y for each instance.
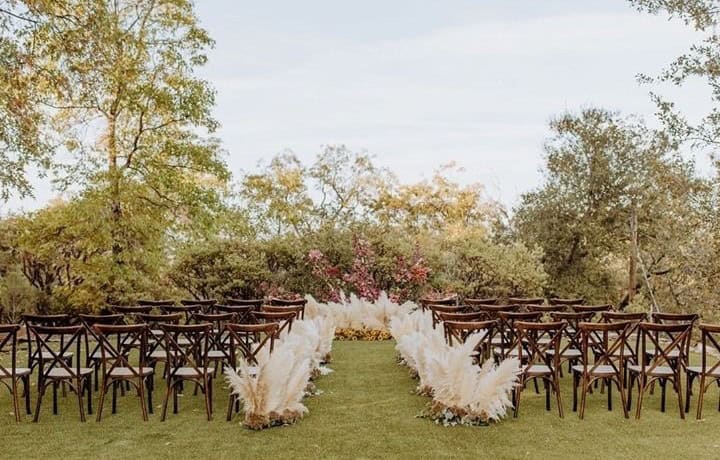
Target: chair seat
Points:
(216, 354)
(602, 370)
(660, 371)
(674, 353)
(188, 372)
(19, 372)
(62, 373)
(159, 355)
(537, 370)
(698, 370)
(569, 353)
(127, 372)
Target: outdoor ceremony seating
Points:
(187, 363)
(665, 363)
(55, 368)
(242, 313)
(571, 343)
(526, 300)
(478, 301)
(560, 301)
(36, 353)
(219, 346)
(709, 369)
(116, 344)
(436, 310)
(10, 374)
(535, 361)
(245, 302)
(606, 343)
(284, 319)
(93, 354)
(459, 331)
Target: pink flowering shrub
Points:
(408, 276)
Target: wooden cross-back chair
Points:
(206, 305)
(155, 303)
(632, 337)
(665, 363)
(93, 355)
(459, 331)
(219, 352)
(709, 369)
(571, 343)
(481, 301)
(242, 313)
(449, 300)
(187, 311)
(526, 300)
(10, 374)
(568, 302)
(297, 309)
(536, 363)
(437, 310)
(675, 318)
(55, 369)
(34, 353)
(130, 312)
(246, 341)
(116, 345)
(460, 317)
(508, 337)
(284, 319)
(257, 303)
(187, 360)
(546, 308)
(493, 310)
(155, 351)
(604, 345)
(596, 309)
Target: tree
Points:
(119, 88)
(614, 191)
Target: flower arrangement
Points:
(461, 391)
(271, 392)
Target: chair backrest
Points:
(187, 311)
(299, 310)
(285, 319)
(218, 338)
(8, 344)
(463, 317)
(560, 301)
(508, 332)
(494, 310)
(592, 308)
(674, 318)
(245, 302)
(606, 342)
(116, 344)
(69, 337)
(459, 331)
(243, 313)
(131, 311)
(526, 300)
(31, 320)
(710, 340)
(546, 308)
(532, 349)
(155, 303)
(571, 333)
(91, 320)
(153, 323)
(186, 345)
(206, 305)
(278, 302)
(435, 311)
(449, 300)
(478, 301)
(665, 340)
(249, 339)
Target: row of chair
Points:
(617, 348)
(126, 346)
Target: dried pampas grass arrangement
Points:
(359, 319)
(461, 391)
(271, 392)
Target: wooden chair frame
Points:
(461, 330)
(708, 373)
(8, 337)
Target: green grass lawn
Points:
(367, 410)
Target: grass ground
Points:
(367, 410)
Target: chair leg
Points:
(150, 385)
(558, 396)
(55, 405)
(621, 389)
(575, 389)
(16, 404)
(79, 384)
(26, 387)
(678, 390)
(583, 398)
(141, 395)
(231, 400)
(41, 391)
(641, 394)
(88, 388)
(101, 403)
(629, 390)
(175, 396)
(114, 396)
(546, 384)
(206, 383)
(609, 394)
(688, 390)
(663, 389)
(165, 402)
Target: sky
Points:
(422, 83)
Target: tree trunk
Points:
(116, 212)
(632, 261)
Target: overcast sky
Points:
(421, 83)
